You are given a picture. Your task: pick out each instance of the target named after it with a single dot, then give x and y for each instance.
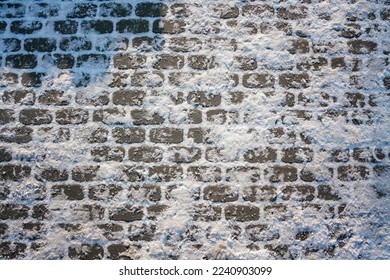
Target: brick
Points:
(61, 61)
(184, 154)
(326, 192)
(255, 80)
(9, 45)
(32, 79)
(16, 135)
(128, 97)
(109, 43)
(194, 116)
(129, 61)
(44, 10)
(242, 173)
(285, 173)
(6, 116)
(246, 62)
(337, 62)
(68, 192)
(83, 10)
(12, 10)
(40, 212)
(134, 173)
(151, 9)
(54, 97)
(85, 252)
(88, 212)
(40, 44)
(201, 62)
(71, 116)
(261, 232)
(127, 214)
(149, 192)
(115, 10)
(82, 98)
(260, 155)
(198, 135)
(128, 135)
(147, 79)
(104, 192)
(25, 27)
(205, 173)
(76, 44)
(54, 175)
(312, 63)
(115, 251)
(169, 62)
(386, 82)
(97, 26)
(297, 155)
(299, 46)
(3, 229)
(298, 193)
(107, 153)
(207, 213)
(12, 250)
(5, 155)
(99, 135)
(201, 98)
(242, 213)
(145, 117)
(276, 211)
(165, 173)
(227, 11)
(21, 61)
(144, 232)
(8, 79)
(84, 173)
(93, 60)
(3, 26)
(4, 192)
(352, 173)
(184, 44)
(145, 154)
(292, 12)
(35, 116)
(166, 135)
(259, 193)
(385, 14)
(14, 172)
(66, 26)
(290, 80)
(164, 26)
(361, 46)
(220, 193)
(260, 10)
(13, 211)
(180, 10)
(216, 116)
(133, 26)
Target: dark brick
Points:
(297, 155)
(184, 44)
(217, 116)
(13, 211)
(299, 46)
(255, 80)
(83, 10)
(68, 192)
(285, 173)
(151, 10)
(259, 193)
(145, 117)
(165, 173)
(290, 80)
(128, 135)
(25, 27)
(40, 212)
(62, 61)
(201, 98)
(44, 10)
(227, 12)
(115, 252)
(325, 192)
(180, 10)
(128, 97)
(312, 63)
(106, 153)
(97, 26)
(12, 250)
(84, 173)
(134, 173)
(83, 99)
(361, 47)
(93, 60)
(298, 193)
(292, 12)
(352, 173)
(145, 232)
(127, 214)
(147, 79)
(66, 26)
(4, 192)
(16, 135)
(337, 62)
(246, 62)
(98, 136)
(5, 155)
(242, 213)
(129, 61)
(75, 44)
(3, 229)
(134, 26)
(163, 26)
(32, 79)
(39, 44)
(184, 154)
(167, 61)
(199, 135)
(382, 170)
(146, 154)
(385, 14)
(12, 10)
(260, 155)
(6, 116)
(104, 192)
(166, 135)
(21, 61)
(10, 45)
(35, 116)
(205, 173)
(386, 82)
(54, 97)
(71, 116)
(8, 79)
(112, 115)
(207, 213)
(55, 175)
(220, 193)
(14, 172)
(85, 252)
(115, 10)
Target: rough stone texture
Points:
(197, 129)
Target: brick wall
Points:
(194, 129)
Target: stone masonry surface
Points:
(195, 129)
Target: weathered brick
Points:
(361, 47)
(6, 116)
(281, 174)
(22, 97)
(260, 155)
(276, 211)
(292, 12)
(198, 135)
(167, 61)
(127, 214)
(172, 26)
(242, 213)
(12, 10)
(352, 173)
(14, 172)
(220, 193)
(204, 99)
(165, 173)
(134, 26)
(83, 10)
(184, 44)
(216, 116)
(134, 173)
(184, 154)
(205, 173)
(226, 11)
(312, 63)
(72, 116)
(32, 79)
(246, 62)
(144, 232)
(4, 192)
(16, 134)
(8, 79)
(54, 97)
(83, 98)
(13, 211)
(201, 62)
(12, 250)
(107, 153)
(147, 79)
(9, 45)
(55, 175)
(93, 60)
(166, 135)
(88, 212)
(326, 192)
(40, 212)
(129, 61)
(66, 26)
(62, 61)
(299, 46)
(243, 174)
(5, 155)
(75, 44)
(290, 80)
(25, 27)
(84, 173)
(256, 80)
(99, 135)
(44, 10)
(386, 82)
(297, 155)
(207, 213)
(259, 193)
(109, 43)
(145, 154)
(260, 10)
(220, 155)
(40, 44)
(128, 135)
(97, 26)
(115, 9)
(151, 9)
(261, 232)
(85, 252)
(104, 192)
(68, 192)
(35, 116)
(21, 61)
(385, 14)
(298, 192)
